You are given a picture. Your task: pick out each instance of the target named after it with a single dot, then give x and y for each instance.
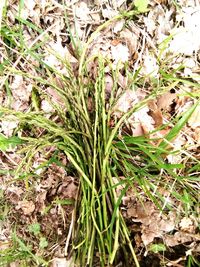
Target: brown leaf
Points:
(177, 238)
(166, 100)
(131, 38)
(26, 206)
(155, 113)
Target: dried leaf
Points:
(125, 102)
(164, 102)
(131, 38)
(26, 206)
(155, 113)
(62, 262)
(120, 53)
(194, 120)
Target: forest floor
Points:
(99, 133)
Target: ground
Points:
(99, 133)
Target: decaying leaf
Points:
(180, 237)
(150, 66)
(26, 206)
(164, 101)
(131, 38)
(62, 262)
(8, 126)
(120, 53)
(155, 113)
(194, 120)
(154, 224)
(127, 100)
(21, 89)
(187, 225)
(185, 39)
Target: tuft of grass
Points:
(95, 150)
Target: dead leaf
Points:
(185, 39)
(62, 262)
(150, 66)
(194, 120)
(14, 193)
(21, 89)
(125, 102)
(164, 102)
(155, 113)
(8, 126)
(68, 189)
(82, 11)
(55, 95)
(178, 238)
(118, 26)
(26, 206)
(187, 225)
(154, 224)
(108, 12)
(108, 85)
(131, 38)
(120, 53)
(46, 106)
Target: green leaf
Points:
(157, 248)
(9, 142)
(43, 242)
(177, 128)
(34, 228)
(141, 5)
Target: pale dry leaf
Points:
(68, 189)
(21, 90)
(186, 39)
(108, 12)
(178, 238)
(187, 225)
(108, 85)
(26, 206)
(46, 106)
(14, 193)
(120, 53)
(197, 135)
(40, 199)
(62, 262)
(122, 81)
(141, 122)
(4, 245)
(145, 120)
(131, 37)
(153, 224)
(28, 8)
(125, 102)
(164, 101)
(150, 66)
(118, 26)
(194, 120)
(57, 52)
(8, 126)
(136, 129)
(15, 264)
(56, 97)
(82, 11)
(150, 23)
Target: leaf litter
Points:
(136, 44)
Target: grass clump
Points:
(80, 128)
